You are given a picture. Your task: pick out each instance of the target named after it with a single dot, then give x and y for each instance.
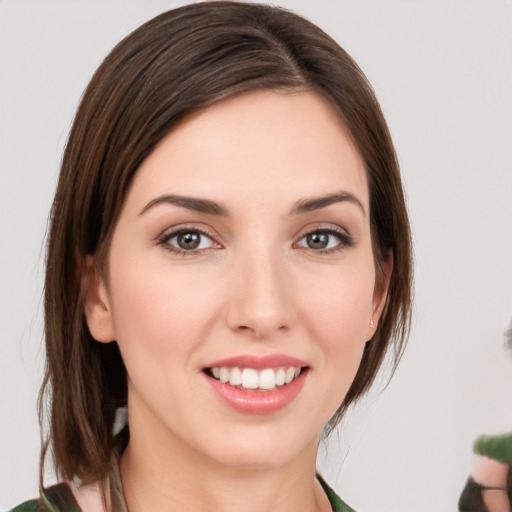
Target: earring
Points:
(372, 325)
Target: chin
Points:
(262, 448)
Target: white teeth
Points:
(280, 377)
(235, 377)
(224, 375)
(290, 375)
(267, 379)
(249, 378)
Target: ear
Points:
(380, 291)
(96, 304)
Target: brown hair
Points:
(175, 64)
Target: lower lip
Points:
(258, 402)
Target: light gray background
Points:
(442, 70)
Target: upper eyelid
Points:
(322, 226)
(170, 232)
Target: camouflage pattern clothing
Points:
(498, 448)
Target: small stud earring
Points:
(372, 325)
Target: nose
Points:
(260, 302)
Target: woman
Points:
(229, 257)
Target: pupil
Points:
(318, 240)
(189, 240)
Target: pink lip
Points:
(258, 401)
(259, 362)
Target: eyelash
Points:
(345, 241)
(166, 237)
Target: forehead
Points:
(263, 146)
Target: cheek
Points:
(336, 309)
(159, 311)
(338, 306)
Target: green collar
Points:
(337, 504)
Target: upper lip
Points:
(258, 362)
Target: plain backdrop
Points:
(442, 70)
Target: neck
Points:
(166, 474)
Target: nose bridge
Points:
(260, 302)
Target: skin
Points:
(492, 473)
(254, 287)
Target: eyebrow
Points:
(316, 203)
(190, 203)
(212, 208)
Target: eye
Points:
(187, 241)
(326, 240)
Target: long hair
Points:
(176, 64)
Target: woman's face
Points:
(242, 253)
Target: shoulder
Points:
(58, 498)
(69, 497)
(29, 506)
(497, 447)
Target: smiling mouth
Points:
(251, 379)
